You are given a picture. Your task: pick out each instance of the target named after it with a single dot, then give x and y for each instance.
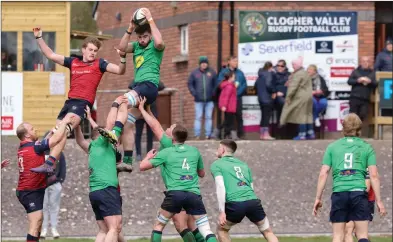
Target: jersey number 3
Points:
(239, 173)
(20, 161)
(348, 160)
(185, 165)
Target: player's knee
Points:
(161, 222)
(131, 118)
(203, 226)
(264, 226)
(132, 98)
(180, 225)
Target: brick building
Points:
(201, 20)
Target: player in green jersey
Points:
(349, 158)
(235, 194)
(182, 221)
(103, 180)
(147, 57)
(181, 164)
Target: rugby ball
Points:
(139, 18)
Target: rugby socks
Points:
(211, 238)
(31, 238)
(128, 157)
(198, 236)
(187, 236)
(51, 160)
(118, 128)
(156, 236)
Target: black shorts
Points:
(76, 106)
(31, 200)
(371, 208)
(175, 201)
(106, 202)
(349, 206)
(252, 209)
(146, 89)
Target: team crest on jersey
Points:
(241, 183)
(139, 61)
(186, 177)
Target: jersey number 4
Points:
(238, 171)
(185, 165)
(20, 162)
(348, 160)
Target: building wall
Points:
(39, 107)
(202, 18)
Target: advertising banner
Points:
(328, 40)
(11, 102)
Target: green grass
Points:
(282, 239)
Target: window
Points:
(33, 60)
(184, 40)
(8, 51)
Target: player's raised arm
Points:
(46, 51)
(125, 44)
(58, 135)
(158, 42)
(94, 125)
(146, 163)
(113, 68)
(5, 163)
(80, 139)
(151, 120)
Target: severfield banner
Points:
(328, 40)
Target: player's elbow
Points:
(122, 71)
(201, 173)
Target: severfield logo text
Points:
(292, 46)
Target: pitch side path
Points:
(285, 176)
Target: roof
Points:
(76, 34)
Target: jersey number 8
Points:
(239, 173)
(20, 161)
(348, 160)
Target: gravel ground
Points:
(285, 174)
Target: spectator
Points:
(320, 92)
(140, 123)
(363, 82)
(383, 62)
(298, 102)
(265, 88)
(281, 76)
(241, 85)
(52, 197)
(201, 84)
(228, 104)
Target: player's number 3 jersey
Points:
(349, 158)
(179, 166)
(237, 178)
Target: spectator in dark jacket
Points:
(266, 92)
(363, 83)
(383, 62)
(140, 123)
(228, 104)
(320, 92)
(201, 84)
(52, 197)
(281, 77)
(241, 86)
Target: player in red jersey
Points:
(31, 186)
(350, 226)
(84, 144)
(86, 74)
